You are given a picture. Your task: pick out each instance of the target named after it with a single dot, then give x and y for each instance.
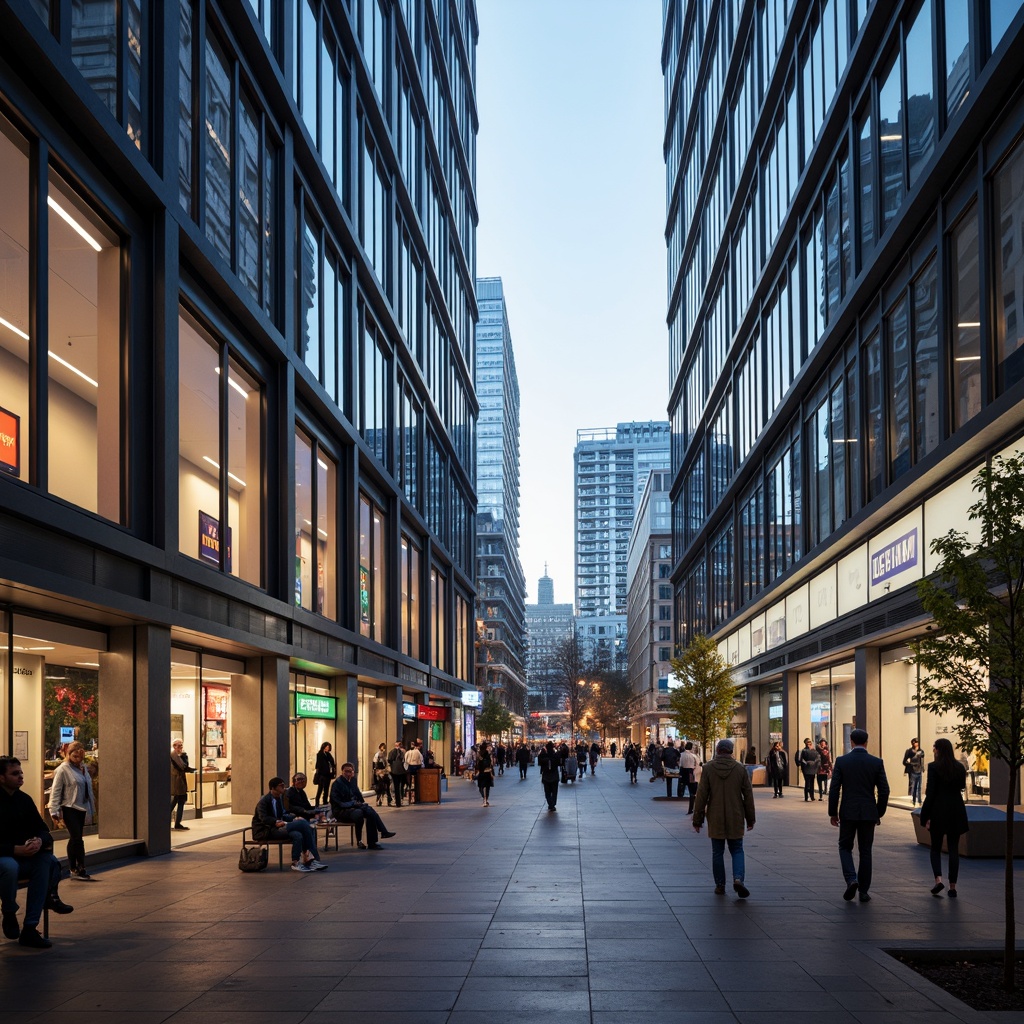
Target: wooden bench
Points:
(247, 839)
(23, 884)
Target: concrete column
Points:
(135, 737)
(867, 667)
(348, 705)
(259, 730)
(796, 710)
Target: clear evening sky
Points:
(571, 186)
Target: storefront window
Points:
(315, 712)
(185, 714)
(967, 319)
(832, 705)
(208, 490)
(372, 576)
(410, 598)
(215, 736)
(438, 600)
(315, 484)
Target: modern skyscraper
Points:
(501, 586)
(844, 223)
(547, 625)
(611, 466)
(236, 366)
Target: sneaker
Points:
(740, 889)
(361, 845)
(10, 926)
(387, 835)
(56, 904)
(81, 875)
(318, 865)
(30, 937)
(719, 890)
(302, 867)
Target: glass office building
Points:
(845, 217)
(237, 407)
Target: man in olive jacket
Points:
(726, 795)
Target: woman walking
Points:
(778, 768)
(943, 812)
(381, 774)
(484, 772)
(323, 774)
(825, 768)
(72, 806)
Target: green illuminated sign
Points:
(309, 705)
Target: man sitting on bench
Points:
(296, 800)
(348, 805)
(26, 851)
(272, 821)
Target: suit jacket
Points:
(860, 778)
(264, 821)
(943, 805)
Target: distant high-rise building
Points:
(547, 624)
(845, 211)
(501, 586)
(611, 467)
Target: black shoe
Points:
(30, 937)
(375, 846)
(388, 835)
(81, 875)
(719, 890)
(865, 898)
(361, 845)
(952, 894)
(741, 890)
(10, 926)
(937, 888)
(181, 828)
(56, 904)
(851, 891)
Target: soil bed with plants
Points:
(973, 977)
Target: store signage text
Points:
(472, 698)
(408, 709)
(209, 541)
(10, 428)
(308, 705)
(894, 558)
(431, 713)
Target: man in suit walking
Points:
(859, 778)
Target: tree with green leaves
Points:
(974, 657)
(494, 717)
(610, 704)
(703, 702)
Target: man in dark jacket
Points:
(523, 759)
(272, 821)
(860, 778)
(26, 851)
(347, 804)
(670, 767)
(396, 763)
(809, 761)
(550, 763)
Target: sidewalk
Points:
(500, 914)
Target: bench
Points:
(23, 884)
(331, 827)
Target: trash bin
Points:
(428, 786)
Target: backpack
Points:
(253, 858)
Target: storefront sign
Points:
(472, 698)
(67, 734)
(408, 709)
(10, 431)
(209, 541)
(431, 713)
(311, 705)
(896, 557)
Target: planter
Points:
(987, 837)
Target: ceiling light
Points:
(20, 333)
(967, 359)
(320, 462)
(64, 215)
(969, 323)
(890, 138)
(216, 465)
(88, 664)
(73, 369)
(234, 383)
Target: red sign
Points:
(10, 426)
(431, 713)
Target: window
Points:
(373, 39)
(1008, 222)
(898, 355)
(966, 319)
(875, 423)
(958, 55)
(1001, 15)
(438, 598)
(219, 147)
(410, 598)
(220, 455)
(372, 573)
(721, 578)
(921, 127)
(751, 544)
(316, 477)
(375, 393)
(463, 638)
(925, 361)
(375, 221)
(890, 139)
(664, 633)
(865, 184)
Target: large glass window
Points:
(958, 55)
(438, 607)
(372, 574)
(374, 403)
(316, 478)
(1001, 15)
(1009, 271)
(927, 397)
(219, 414)
(219, 147)
(410, 598)
(921, 112)
(865, 180)
(186, 99)
(898, 356)
(890, 138)
(874, 433)
(966, 319)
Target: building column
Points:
(259, 709)
(867, 667)
(135, 736)
(796, 710)
(348, 701)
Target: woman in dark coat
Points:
(484, 772)
(943, 812)
(323, 774)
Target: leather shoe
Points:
(10, 926)
(388, 835)
(361, 845)
(30, 937)
(56, 904)
(375, 846)
(851, 891)
(865, 898)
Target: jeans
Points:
(413, 795)
(914, 787)
(864, 831)
(809, 787)
(953, 846)
(74, 822)
(398, 781)
(550, 790)
(669, 779)
(178, 808)
(691, 788)
(43, 873)
(822, 785)
(303, 838)
(718, 859)
(777, 783)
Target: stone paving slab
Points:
(602, 908)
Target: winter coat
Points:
(778, 764)
(809, 761)
(943, 805)
(726, 797)
(180, 771)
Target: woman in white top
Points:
(72, 806)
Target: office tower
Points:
(611, 466)
(236, 350)
(547, 625)
(845, 210)
(501, 587)
(649, 626)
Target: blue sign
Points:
(67, 734)
(894, 558)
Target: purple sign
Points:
(894, 558)
(209, 541)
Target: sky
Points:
(571, 190)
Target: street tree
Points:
(974, 656)
(494, 718)
(610, 704)
(570, 677)
(702, 704)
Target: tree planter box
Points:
(987, 837)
